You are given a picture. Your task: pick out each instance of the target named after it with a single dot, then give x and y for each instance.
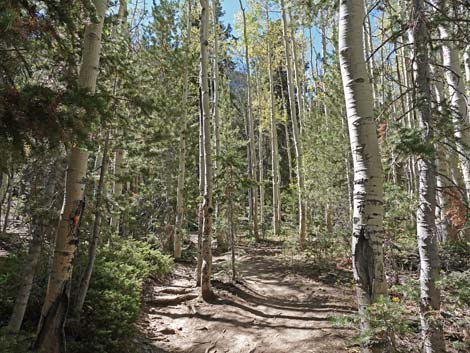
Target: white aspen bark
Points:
(178, 239)
(221, 239)
(260, 158)
(297, 76)
(368, 51)
(50, 336)
(368, 231)
(425, 215)
(252, 164)
(443, 224)
(466, 64)
(286, 132)
(276, 179)
(201, 191)
(206, 269)
(455, 82)
(295, 130)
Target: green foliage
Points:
(15, 343)
(409, 141)
(114, 298)
(387, 318)
(457, 287)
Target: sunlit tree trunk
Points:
(206, 269)
(252, 164)
(456, 84)
(178, 239)
(297, 74)
(466, 64)
(425, 215)
(368, 231)
(276, 178)
(50, 337)
(295, 129)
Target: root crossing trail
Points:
(272, 308)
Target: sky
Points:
(231, 7)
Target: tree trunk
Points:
(178, 239)
(29, 271)
(276, 179)
(425, 215)
(117, 189)
(368, 231)
(252, 164)
(295, 130)
(455, 81)
(207, 210)
(95, 235)
(50, 336)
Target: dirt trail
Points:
(270, 309)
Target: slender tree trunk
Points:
(50, 337)
(466, 64)
(230, 225)
(178, 239)
(276, 178)
(117, 188)
(252, 164)
(297, 76)
(425, 215)
(95, 235)
(201, 191)
(368, 231)
(8, 194)
(30, 267)
(206, 269)
(286, 132)
(295, 130)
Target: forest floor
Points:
(277, 305)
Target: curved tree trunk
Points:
(368, 231)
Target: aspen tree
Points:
(178, 239)
(466, 64)
(252, 164)
(295, 128)
(50, 336)
(221, 241)
(456, 85)
(425, 214)
(207, 210)
(276, 179)
(368, 231)
(38, 231)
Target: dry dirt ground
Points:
(271, 308)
